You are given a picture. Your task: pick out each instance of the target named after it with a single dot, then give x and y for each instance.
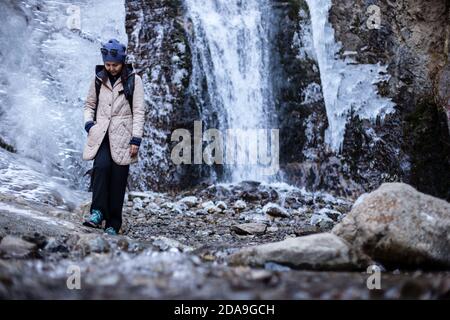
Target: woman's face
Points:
(114, 67)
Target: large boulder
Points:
(399, 227)
(323, 251)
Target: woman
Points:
(115, 125)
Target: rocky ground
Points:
(185, 246)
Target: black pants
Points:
(108, 187)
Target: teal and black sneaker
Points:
(95, 220)
(111, 231)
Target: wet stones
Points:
(239, 205)
(194, 217)
(210, 207)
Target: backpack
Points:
(128, 90)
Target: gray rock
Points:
(85, 206)
(254, 217)
(210, 207)
(399, 226)
(165, 244)
(201, 212)
(93, 243)
(137, 194)
(152, 208)
(138, 204)
(306, 229)
(56, 245)
(272, 229)
(240, 205)
(323, 222)
(16, 248)
(221, 205)
(330, 213)
(323, 251)
(178, 209)
(190, 201)
(275, 210)
(228, 212)
(249, 228)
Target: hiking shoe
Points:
(111, 231)
(95, 220)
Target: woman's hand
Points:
(133, 150)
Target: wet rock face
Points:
(159, 47)
(399, 226)
(411, 41)
(162, 44)
(296, 80)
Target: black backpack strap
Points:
(128, 83)
(98, 85)
(100, 76)
(129, 90)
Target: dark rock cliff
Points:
(413, 42)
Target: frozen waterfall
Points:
(345, 85)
